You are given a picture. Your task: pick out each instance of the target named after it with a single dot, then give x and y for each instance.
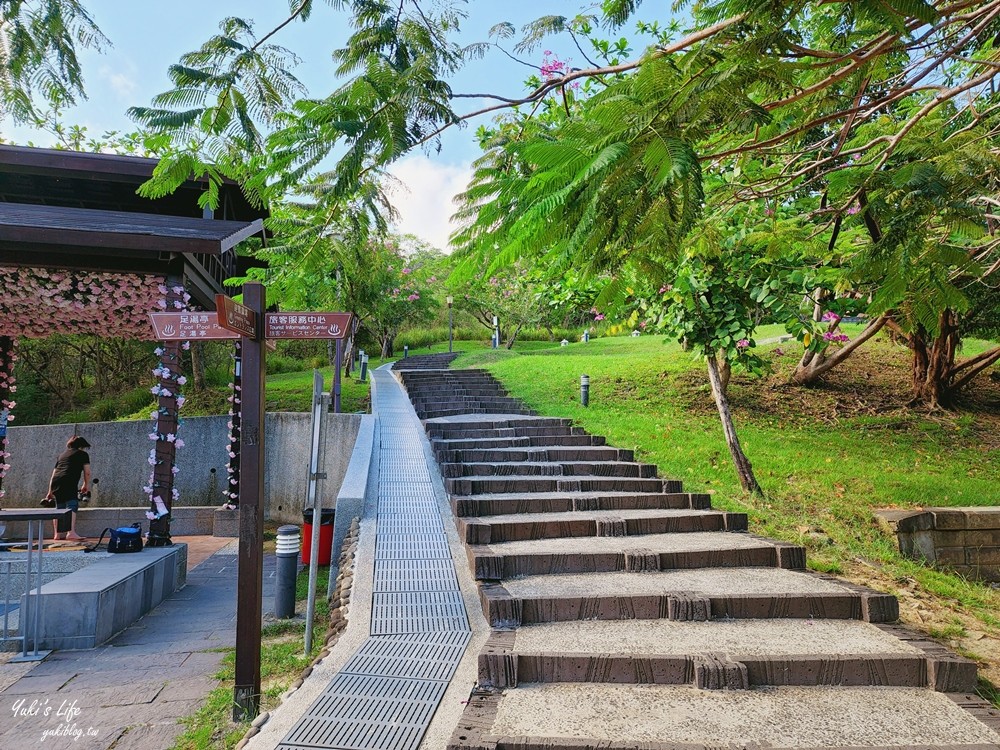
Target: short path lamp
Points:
(451, 330)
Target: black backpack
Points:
(122, 539)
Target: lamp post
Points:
(449, 299)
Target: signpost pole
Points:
(246, 692)
(338, 363)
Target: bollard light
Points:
(406, 351)
(364, 368)
(586, 336)
(287, 568)
(564, 342)
(451, 326)
(585, 390)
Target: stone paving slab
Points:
(778, 717)
(131, 692)
(728, 582)
(738, 638)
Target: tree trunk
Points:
(814, 365)
(197, 366)
(933, 362)
(513, 337)
(725, 374)
(387, 345)
(744, 470)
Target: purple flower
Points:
(830, 317)
(779, 352)
(599, 316)
(742, 344)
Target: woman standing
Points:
(64, 485)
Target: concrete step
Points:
(550, 469)
(650, 552)
(435, 413)
(440, 359)
(618, 523)
(523, 455)
(559, 502)
(531, 429)
(697, 594)
(422, 393)
(757, 652)
(557, 441)
(574, 716)
(565, 483)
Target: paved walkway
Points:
(387, 692)
(131, 692)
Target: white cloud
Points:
(425, 200)
(122, 82)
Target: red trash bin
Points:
(325, 535)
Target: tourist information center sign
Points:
(307, 325)
(193, 326)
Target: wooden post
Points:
(246, 692)
(165, 452)
(7, 346)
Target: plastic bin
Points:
(325, 535)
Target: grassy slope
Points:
(825, 456)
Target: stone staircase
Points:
(627, 613)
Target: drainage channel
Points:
(385, 696)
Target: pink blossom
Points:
(742, 344)
(599, 316)
(830, 317)
(407, 271)
(413, 297)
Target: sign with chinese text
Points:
(307, 325)
(189, 326)
(236, 317)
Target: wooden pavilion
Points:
(82, 252)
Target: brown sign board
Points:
(189, 326)
(307, 325)
(236, 317)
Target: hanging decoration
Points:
(166, 418)
(231, 491)
(38, 302)
(8, 387)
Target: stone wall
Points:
(119, 464)
(965, 540)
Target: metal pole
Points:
(338, 363)
(246, 690)
(585, 390)
(451, 333)
(315, 451)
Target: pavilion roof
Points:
(81, 252)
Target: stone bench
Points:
(88, 607)
(964, 540)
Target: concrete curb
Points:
(351, 497)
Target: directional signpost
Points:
(194, 326)
(249, 322)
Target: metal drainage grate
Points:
(412, 547)
(420, 656)
(361, 712)
(415, 575)
(417, 612)
(385, 696)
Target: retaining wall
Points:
(120, 468)
(965, 540)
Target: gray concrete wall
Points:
(120, 450)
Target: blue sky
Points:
(146, 40)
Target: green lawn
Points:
(826, 457)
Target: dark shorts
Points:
(65, 523)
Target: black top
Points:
(69, 468)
